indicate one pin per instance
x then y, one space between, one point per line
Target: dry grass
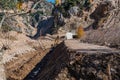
109 37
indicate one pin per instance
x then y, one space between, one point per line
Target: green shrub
8 4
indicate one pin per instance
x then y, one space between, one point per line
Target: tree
80 32
7 4
57 2
19 5
70 3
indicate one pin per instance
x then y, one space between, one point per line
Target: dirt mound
22 54
68 63
92 67
109 37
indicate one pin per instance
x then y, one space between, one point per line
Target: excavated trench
64 63
50 65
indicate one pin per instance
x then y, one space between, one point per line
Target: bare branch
2 21
35 4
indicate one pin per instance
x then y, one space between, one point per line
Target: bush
7 4
80 32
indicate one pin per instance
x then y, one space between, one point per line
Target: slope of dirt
81 63
108 37
50 65
19 68
22 54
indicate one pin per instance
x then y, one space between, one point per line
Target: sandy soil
23 54
19 68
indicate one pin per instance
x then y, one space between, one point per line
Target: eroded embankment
50 65
19 68
91 63
70 60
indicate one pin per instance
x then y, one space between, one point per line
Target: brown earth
24 54
19 68
72 60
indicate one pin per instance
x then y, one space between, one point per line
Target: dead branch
2 21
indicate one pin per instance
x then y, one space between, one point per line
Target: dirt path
88 48
75 44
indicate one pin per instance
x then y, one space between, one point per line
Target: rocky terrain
33 43
75 62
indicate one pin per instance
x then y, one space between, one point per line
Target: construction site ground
21 64
19 68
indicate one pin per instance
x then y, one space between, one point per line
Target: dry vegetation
80 32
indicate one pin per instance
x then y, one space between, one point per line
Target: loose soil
18 69
69 60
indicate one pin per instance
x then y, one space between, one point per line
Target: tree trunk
2 21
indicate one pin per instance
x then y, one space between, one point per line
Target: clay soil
20 68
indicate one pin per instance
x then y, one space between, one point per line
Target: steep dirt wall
63 63
19 68
50 65
56 62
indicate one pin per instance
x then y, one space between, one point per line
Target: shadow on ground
50 65
44 27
